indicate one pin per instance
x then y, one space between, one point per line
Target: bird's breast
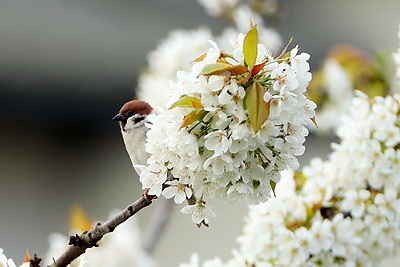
135 140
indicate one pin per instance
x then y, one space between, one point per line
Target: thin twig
79 244
158 223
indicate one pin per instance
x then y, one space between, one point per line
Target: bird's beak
119 117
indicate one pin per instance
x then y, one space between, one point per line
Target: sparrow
132 119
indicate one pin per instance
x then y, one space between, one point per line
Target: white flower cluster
121 248
178 50
341 212
212 144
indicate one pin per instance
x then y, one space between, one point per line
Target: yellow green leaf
187 102
214 69
218 68
257 108
250 47
193 116
200 58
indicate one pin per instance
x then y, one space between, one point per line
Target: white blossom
153 177
200 213
180 192
218 142
354 201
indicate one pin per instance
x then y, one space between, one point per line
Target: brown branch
79 244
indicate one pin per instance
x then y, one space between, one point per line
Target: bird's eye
138 118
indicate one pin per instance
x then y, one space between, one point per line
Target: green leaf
187 102
250 47
212 69
257 108
193 116
218 68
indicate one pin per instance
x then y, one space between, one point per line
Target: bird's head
133 114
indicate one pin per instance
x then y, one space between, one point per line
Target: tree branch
79 244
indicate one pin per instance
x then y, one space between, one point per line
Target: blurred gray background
65 69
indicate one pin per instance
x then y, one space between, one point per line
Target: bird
132 118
